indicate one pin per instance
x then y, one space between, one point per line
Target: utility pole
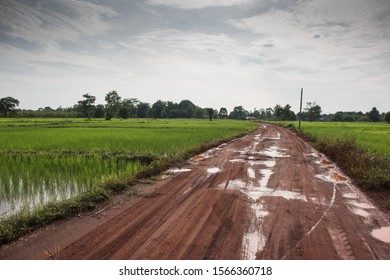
300 111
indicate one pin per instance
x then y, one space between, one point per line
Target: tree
172 110
158 110
210 113
124 112
128 108
256 114
113 104
283 113
238 113
199 113
374 115
313 111
8 105
86 106
387 117
99 111
278 112
142 110
186 109
223 113
269 113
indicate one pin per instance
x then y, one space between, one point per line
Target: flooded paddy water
29 181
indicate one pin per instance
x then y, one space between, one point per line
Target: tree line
118 107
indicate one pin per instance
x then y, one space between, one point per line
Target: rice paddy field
374 137
50 160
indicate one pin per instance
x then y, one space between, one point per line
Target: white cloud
49 24
322 35
336 51
198 4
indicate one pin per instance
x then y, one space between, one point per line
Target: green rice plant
35 180
152 138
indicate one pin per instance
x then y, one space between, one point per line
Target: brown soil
267 195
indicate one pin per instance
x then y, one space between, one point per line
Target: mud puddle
383 234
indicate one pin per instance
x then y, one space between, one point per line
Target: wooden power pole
300 111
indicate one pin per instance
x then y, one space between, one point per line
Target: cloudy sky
217 53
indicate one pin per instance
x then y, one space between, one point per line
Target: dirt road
267 195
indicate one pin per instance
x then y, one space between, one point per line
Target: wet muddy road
267 195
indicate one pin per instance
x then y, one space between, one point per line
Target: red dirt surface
267 195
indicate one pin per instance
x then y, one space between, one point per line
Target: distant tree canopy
8 105
99 111
143 110
128 108
223 113
387 117
374 115
116 107
86 106
113 104
283 113
313 111
238 113
210 113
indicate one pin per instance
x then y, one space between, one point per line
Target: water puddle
237 160
199 157
331 178
325 161
264 191
213 170
258 138
351 195
254 240
266 175
383 234
274 152
251 173
337 177
361 205
361 212
267 163
178 170
255 192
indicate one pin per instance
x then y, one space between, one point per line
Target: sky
216 53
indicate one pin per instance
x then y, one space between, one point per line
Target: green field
374 137
46 160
